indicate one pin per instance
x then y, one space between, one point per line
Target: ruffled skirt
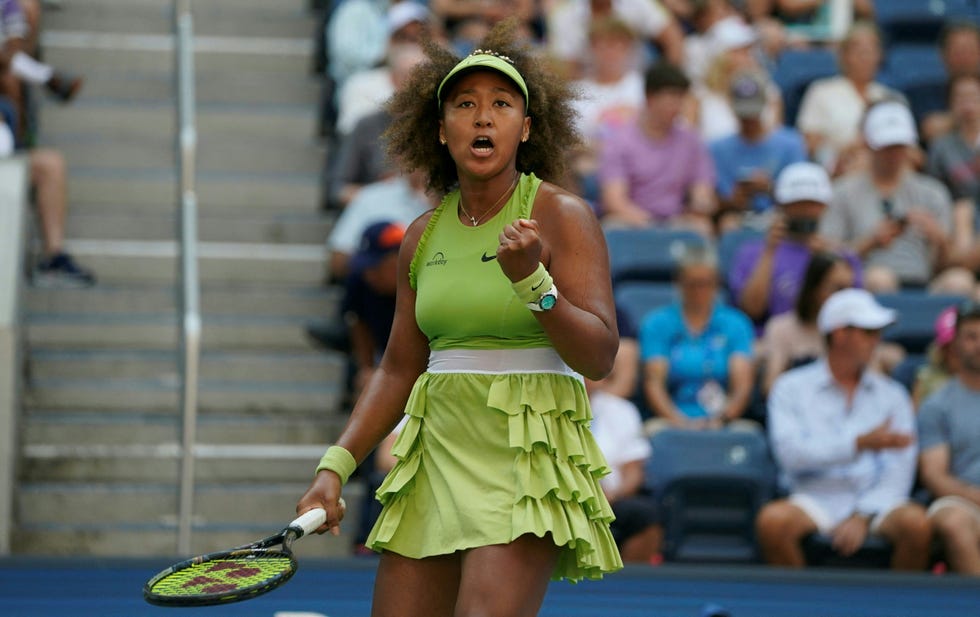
487 458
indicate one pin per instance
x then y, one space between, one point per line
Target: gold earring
524 139
442 141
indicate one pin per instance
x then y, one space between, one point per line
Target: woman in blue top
697 353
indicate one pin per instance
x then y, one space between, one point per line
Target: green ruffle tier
484 459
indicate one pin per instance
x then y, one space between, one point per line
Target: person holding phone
899 221
767 273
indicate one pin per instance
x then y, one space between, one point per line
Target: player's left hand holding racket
237 574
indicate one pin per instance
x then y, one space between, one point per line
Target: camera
802 226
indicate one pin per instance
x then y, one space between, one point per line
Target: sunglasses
867 331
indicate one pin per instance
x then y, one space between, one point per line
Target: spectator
942 359
747 162
766 274
366 91
618 431
611 96
898 221
953 158
843 437
791 339
49 177
821 20
369 296
356 38
655 170
361 161
400 199
949 460
959 45
832 107
568 27
735 53
696 353
700 45
466 22
18 64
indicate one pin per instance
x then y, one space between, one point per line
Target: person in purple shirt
766 274
656 170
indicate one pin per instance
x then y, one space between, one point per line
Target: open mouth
482 145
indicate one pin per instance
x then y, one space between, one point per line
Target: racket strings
224 576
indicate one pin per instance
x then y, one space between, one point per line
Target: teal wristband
338 460
531 288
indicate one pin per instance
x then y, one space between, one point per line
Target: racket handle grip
309 521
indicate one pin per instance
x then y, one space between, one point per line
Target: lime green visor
478 60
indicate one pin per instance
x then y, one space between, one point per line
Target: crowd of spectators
855 191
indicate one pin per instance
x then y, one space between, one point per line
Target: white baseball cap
853 307
403 13
803 181
889 124
731 33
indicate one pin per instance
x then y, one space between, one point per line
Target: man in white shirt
399 199
843 438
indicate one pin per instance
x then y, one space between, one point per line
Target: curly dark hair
412 136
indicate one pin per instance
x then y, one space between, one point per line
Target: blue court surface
102 588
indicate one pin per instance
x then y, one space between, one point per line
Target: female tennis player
504 302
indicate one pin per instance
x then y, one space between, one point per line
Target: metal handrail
187 273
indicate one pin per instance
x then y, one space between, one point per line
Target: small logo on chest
439 259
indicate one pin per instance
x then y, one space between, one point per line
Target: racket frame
278 545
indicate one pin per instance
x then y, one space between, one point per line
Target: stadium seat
795 70
907 369
909 21
728 245
648 254
710 486
638 298
926 98
917 312
911 64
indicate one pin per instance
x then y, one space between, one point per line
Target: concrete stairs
100 428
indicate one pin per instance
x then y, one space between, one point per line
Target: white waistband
499 361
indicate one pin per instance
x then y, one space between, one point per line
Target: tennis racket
233 575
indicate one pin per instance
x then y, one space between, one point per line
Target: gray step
116 261
265 139
154 53
89 221
73 427
160 463
216 299
134 87
231 193
52 503
159 331
162 393
244 18
156 540
242 366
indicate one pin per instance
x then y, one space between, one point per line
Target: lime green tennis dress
497 442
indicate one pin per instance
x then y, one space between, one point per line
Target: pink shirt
659 173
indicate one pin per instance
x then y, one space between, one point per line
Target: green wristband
338 460
531 288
